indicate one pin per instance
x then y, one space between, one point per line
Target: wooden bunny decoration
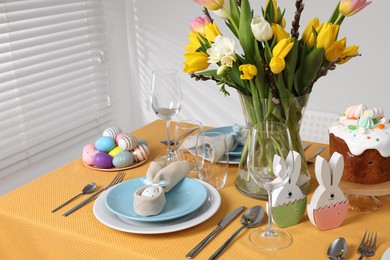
288 201
328 207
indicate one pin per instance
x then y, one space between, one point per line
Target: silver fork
368 246
118 178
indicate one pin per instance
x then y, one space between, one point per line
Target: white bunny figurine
288 201
328 207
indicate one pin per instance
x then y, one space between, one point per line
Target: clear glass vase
288 110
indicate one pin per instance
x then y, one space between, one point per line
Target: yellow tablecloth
28 229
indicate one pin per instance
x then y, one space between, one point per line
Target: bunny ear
295 157
336 164
279 166
322 171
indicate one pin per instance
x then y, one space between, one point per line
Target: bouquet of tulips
273 62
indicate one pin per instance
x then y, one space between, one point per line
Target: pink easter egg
89 153
103 161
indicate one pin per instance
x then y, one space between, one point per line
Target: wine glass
269 148
166 101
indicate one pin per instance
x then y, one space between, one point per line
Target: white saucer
207 210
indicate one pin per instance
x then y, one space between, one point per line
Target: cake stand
363 197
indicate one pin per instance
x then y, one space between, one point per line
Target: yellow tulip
335 50
282 48
280 51
327 35
349 52
279 32
195 61
248 71
277 65
211 31
211 4
307 34
194 42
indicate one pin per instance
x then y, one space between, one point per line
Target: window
53 78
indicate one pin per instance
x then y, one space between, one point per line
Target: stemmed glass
269 148
166 100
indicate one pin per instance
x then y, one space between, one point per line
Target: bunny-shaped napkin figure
288 201
328 207
150 199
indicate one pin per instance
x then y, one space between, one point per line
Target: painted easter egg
89 153
141 153
112 132
127 142
104 144
103 161
119 136
150 192
115 151
123 159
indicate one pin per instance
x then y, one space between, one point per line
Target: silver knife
223 223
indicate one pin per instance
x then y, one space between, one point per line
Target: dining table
29 230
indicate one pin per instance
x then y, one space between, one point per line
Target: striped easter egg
112 132
141 153
127 142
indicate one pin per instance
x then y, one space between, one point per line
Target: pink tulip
211 4
351 7
199 23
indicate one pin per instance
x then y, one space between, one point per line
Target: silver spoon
338 249
251 218
89 188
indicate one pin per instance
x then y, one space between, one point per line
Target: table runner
30 231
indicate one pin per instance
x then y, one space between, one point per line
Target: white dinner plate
187 196
206 211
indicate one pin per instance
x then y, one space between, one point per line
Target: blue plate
187 196
228 130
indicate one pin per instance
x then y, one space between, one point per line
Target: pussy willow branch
295 23
206 12
238 3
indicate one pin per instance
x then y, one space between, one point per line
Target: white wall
147 34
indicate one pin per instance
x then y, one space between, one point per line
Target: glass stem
270 231
168 122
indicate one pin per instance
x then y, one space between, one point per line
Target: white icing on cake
365 132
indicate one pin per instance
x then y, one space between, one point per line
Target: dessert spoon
338 249
251 218
89 188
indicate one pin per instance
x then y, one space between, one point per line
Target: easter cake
362 136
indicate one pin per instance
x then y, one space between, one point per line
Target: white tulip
261 29
221 13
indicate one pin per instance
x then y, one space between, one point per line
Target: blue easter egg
105 144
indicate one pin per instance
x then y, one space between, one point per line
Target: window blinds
53 78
